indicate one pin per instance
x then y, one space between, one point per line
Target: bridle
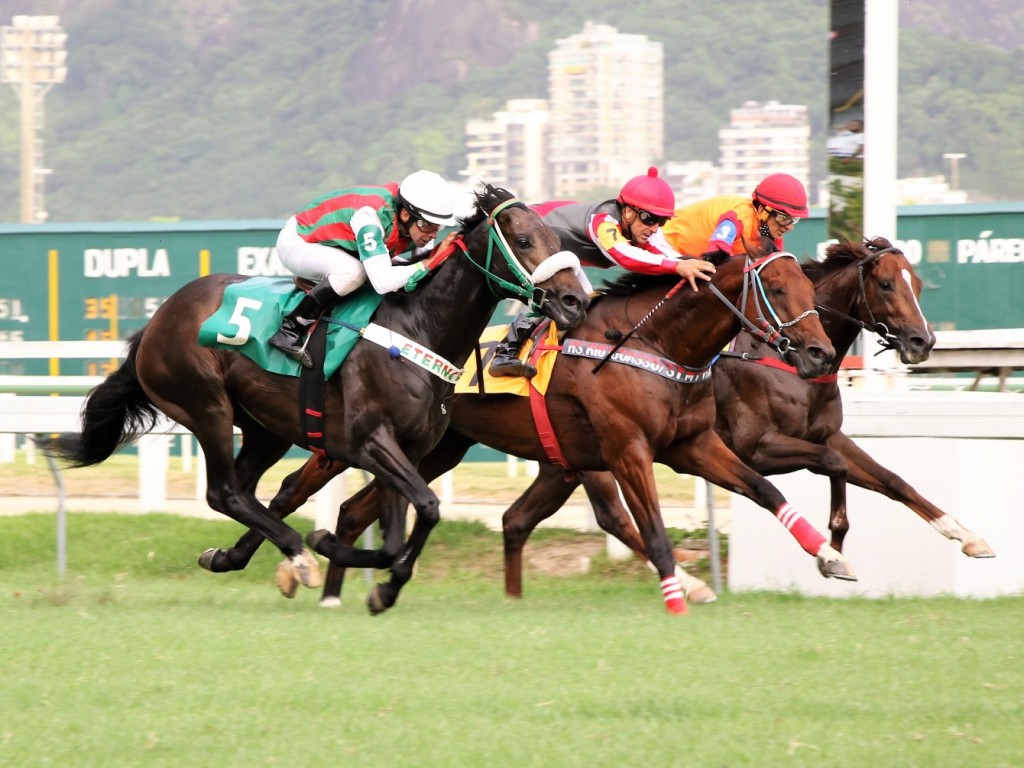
525 285
752 287
886 340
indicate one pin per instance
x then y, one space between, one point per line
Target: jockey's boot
506 360
292 337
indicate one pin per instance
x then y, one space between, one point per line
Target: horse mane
839 255
629 283
486 199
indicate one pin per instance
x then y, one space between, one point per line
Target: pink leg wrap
672 591
808 538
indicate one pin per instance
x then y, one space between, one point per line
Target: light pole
33 58
954 166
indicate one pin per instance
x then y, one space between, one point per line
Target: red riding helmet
781 192
649 193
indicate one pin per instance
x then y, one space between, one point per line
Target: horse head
778 301
523 259
889 306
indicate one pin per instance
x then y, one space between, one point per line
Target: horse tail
115 413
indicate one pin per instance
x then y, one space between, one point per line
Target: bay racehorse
778 422
382 413
622 418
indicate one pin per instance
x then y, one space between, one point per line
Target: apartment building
606 97
762 139
510 149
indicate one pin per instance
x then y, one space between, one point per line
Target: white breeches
319 262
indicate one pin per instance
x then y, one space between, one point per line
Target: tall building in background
762 139
510 150
606 96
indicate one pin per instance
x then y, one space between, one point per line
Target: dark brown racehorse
382 413
622 418
869 286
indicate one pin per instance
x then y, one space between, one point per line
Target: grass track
139 658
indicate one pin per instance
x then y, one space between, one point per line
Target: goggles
648 218
427 227
783 218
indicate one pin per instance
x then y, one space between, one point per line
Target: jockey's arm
607 234
384 276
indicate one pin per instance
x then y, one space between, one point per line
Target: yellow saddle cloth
469 384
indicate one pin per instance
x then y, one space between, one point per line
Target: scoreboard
104 281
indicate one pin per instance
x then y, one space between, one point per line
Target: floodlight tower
33 59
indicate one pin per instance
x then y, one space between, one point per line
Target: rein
886 340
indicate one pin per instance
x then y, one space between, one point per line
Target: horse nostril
918 344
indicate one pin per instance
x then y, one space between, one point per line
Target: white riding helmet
428 196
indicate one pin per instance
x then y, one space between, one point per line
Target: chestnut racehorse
382 414
869 286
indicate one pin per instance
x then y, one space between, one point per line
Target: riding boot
291 338
506 360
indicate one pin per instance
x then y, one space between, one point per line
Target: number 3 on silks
239 319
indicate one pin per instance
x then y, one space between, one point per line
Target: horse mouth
811 361
567 313
914 349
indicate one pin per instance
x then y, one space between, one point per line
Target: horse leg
613 518
355 515
868 473
634 471
778 454
545 495
413 487
295 490
710 458
225 494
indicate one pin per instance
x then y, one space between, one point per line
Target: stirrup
511 366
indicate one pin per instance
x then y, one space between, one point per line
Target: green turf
139 658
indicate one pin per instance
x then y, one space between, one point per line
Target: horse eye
523 242
885 285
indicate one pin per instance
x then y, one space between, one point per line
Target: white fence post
154 453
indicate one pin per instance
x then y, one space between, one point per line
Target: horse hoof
307 569
837 569
285 579
206 559
977 547
375 601
330 602
701 595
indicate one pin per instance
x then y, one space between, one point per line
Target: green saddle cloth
252 311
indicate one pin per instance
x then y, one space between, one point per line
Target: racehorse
382 414
777 422
622 418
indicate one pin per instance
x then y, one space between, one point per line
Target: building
510 149
762 139
606 96
692 181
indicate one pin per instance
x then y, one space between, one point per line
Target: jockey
716 224
349 236
623 232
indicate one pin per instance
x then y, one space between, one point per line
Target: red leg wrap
672 591
808 538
